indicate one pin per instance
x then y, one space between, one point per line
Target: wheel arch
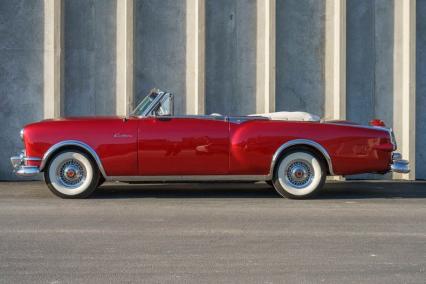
302 143
72 144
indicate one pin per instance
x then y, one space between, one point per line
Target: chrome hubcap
299 173
71 173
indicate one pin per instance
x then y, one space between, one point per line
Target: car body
154 145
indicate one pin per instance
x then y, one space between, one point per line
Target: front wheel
299 174
72 174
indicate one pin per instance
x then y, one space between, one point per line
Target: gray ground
354 232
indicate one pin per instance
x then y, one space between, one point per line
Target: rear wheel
299 174
72 174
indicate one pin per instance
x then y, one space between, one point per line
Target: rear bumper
20 167
399 165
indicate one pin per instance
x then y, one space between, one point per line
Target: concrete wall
421 90
89 49
159 54
89 57
300 56
21 74
231 56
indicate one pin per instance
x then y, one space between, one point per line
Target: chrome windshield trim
153 104
77 143
307 142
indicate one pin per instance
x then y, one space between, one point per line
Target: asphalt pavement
354 232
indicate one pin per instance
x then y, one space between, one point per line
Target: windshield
144 104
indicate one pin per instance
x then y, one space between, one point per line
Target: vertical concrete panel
159 56
231 56
421 90
383 85
21 74
370 60
360 60
89 73
300 56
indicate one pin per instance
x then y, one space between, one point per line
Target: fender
306 142
76 143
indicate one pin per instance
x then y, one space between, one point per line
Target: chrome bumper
19 165
399 165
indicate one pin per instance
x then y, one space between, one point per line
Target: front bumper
20 167
399 165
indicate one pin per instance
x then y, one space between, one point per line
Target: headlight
21 133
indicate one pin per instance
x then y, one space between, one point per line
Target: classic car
292 151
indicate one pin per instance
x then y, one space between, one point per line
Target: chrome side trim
392 138
196 116
242 119
31 159
307 142
72 143
191 178
384 128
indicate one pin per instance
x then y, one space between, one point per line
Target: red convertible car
293 151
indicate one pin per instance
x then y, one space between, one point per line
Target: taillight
377 122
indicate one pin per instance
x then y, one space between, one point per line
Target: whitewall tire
72 174
299 174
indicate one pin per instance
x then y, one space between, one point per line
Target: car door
183 146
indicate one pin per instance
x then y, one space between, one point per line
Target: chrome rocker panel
189 178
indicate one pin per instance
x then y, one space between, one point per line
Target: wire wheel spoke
71 173
299 173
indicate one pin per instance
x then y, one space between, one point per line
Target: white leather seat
290 115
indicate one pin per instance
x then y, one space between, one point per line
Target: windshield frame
150 107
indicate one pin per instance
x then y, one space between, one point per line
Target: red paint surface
183 146
118 155
352 149
189 146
